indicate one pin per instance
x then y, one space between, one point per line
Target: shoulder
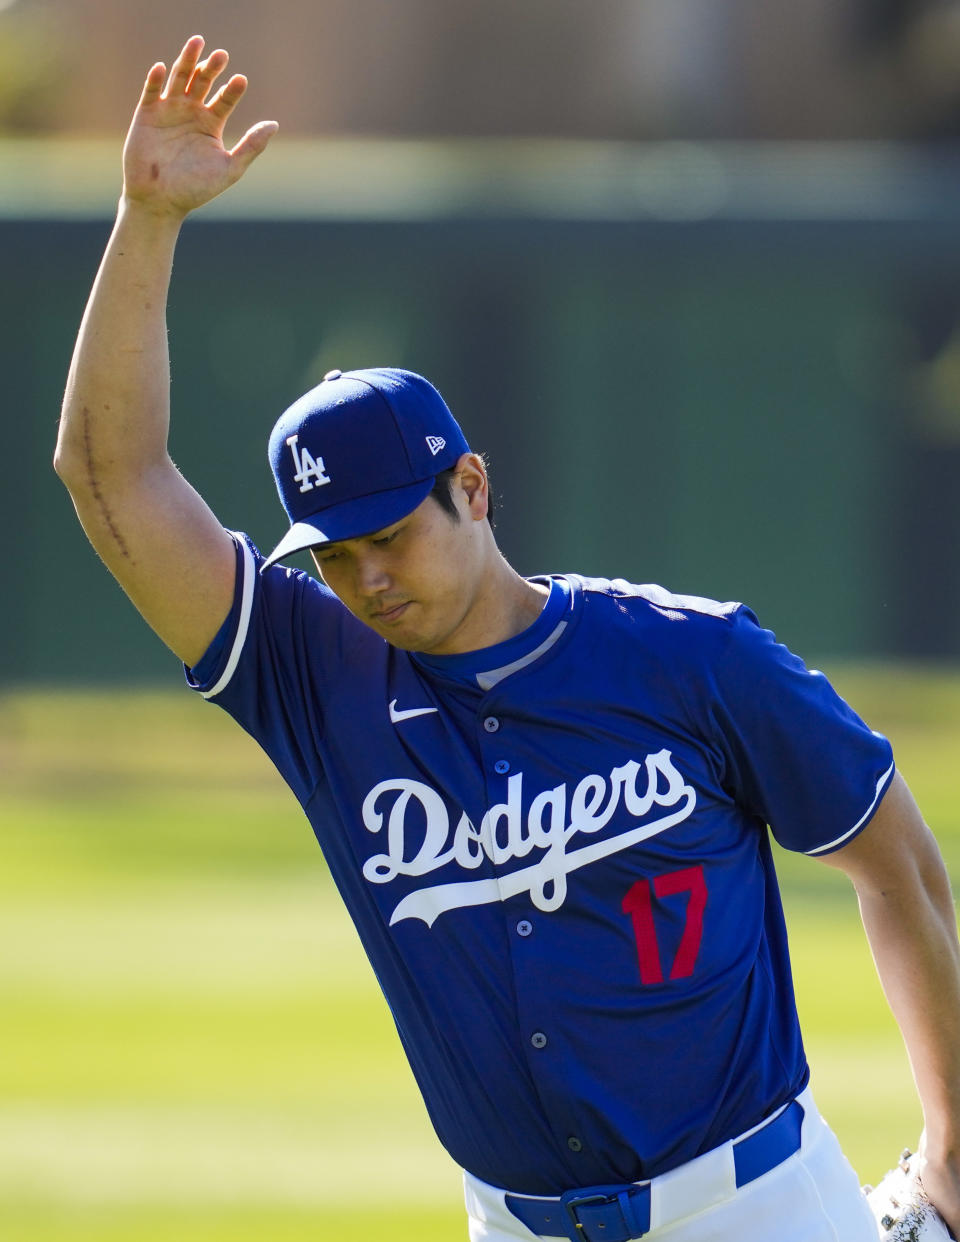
690 643
677 618
686 653
649 596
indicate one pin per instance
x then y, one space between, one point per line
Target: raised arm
153 531
909 917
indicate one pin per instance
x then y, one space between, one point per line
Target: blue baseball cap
359 452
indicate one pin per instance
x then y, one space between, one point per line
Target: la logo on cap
310 470
435 444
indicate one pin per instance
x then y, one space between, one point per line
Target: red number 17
639 905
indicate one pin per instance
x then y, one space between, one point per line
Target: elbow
65 454
60 462
67 466
73 455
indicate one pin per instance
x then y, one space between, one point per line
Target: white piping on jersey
246 608
881 785
486 681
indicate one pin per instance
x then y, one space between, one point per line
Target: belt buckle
574 1199
631 1219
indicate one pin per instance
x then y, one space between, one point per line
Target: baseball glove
901 1208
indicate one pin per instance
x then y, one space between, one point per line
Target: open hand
174 159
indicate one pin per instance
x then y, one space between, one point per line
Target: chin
402 643
403 640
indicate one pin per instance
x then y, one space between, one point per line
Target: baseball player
544 801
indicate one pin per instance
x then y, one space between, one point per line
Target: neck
503 607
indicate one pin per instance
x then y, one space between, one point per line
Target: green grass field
192 1046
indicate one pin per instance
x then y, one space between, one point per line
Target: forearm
911 927
908 914
116 409
156 534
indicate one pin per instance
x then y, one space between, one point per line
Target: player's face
420 583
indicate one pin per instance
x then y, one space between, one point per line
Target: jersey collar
488 666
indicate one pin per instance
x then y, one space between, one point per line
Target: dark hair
443 494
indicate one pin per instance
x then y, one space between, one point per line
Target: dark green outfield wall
756 411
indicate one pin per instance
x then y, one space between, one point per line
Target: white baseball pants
812 1196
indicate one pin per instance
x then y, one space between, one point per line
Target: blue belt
621 1213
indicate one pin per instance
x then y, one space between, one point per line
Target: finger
253 143
153 85
206 74
228 96
184 65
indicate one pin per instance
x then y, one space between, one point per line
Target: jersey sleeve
793 752
282 641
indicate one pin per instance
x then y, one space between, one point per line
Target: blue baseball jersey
556 854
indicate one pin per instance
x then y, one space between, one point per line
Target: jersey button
332 375
501 766
538 1039
524 927
574 1143
491 724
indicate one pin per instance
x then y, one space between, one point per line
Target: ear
471 477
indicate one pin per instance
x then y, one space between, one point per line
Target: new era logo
435 444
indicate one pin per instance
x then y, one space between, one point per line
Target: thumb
252 143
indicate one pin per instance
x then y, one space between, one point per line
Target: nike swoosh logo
396 715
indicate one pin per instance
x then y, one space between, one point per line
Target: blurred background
688 271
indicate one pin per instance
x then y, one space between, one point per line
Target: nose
371 576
